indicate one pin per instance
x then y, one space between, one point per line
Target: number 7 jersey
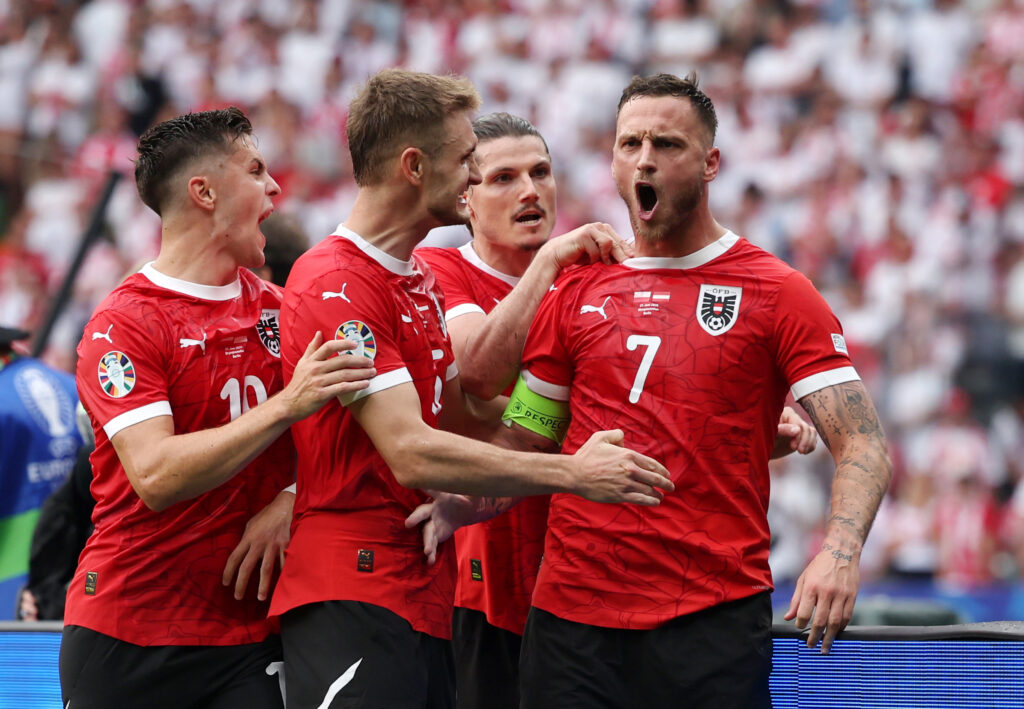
692 358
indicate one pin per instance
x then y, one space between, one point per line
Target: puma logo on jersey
340 294
186 342
596 308
104 335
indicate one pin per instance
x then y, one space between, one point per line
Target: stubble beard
673 218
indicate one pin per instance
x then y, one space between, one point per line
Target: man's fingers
419 515
231 568
266 575
245 572
614 436
653 473
314 343
795 599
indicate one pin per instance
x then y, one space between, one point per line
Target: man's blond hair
397 109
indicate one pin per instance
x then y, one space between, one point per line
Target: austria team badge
269 330
717 307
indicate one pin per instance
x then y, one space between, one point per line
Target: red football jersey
692 358
349 540
498 559
159 346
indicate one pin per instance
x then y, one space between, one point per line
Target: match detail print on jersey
718 307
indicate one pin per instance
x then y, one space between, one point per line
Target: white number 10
239 404
652 343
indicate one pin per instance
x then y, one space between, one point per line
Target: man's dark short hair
671 85
168 147
504 125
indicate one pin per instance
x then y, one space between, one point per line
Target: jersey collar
697 258
196 290
470 254
395 265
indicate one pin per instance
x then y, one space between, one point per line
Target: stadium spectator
363 614
179 370
704 312
38 443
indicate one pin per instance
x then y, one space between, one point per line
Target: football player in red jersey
179 369
691 347
365 618
492 287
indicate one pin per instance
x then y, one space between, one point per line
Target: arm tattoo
846 420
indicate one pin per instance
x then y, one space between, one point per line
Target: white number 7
652 343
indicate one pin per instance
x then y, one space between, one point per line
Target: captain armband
536 413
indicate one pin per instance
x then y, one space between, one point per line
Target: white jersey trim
697 258
451 372
378 383
464 309
817 382
196 290
395 265
130 418
545 389
470 254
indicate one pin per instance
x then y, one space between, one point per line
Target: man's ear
712 161
201 192
412 164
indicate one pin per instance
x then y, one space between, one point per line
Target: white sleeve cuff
378 383
463 309
130 418
817 382
548 390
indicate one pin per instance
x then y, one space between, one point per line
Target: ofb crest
717 307
269 330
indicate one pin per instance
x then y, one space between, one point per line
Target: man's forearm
168 469
846 420
491 356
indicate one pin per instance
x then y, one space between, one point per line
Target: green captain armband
536 413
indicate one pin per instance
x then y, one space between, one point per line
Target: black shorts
486 662
719 658
100 672
348 654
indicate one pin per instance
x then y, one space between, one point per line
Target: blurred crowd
877 146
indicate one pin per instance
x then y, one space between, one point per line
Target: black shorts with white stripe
354 655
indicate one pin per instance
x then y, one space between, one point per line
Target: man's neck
380 216
699 232
190 254
510 261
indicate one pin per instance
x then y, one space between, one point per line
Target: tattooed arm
846 420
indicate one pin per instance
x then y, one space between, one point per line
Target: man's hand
827 589
795 434
441 516
610 473
590 243
263 542
320 375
